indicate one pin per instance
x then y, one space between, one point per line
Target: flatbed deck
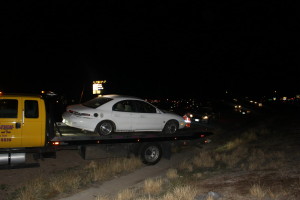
69 135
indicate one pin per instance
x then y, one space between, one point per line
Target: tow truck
28 126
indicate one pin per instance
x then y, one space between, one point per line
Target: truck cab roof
14 95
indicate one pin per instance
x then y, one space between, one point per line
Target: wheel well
174 120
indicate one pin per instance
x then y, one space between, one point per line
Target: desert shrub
181 193
172 173
153 186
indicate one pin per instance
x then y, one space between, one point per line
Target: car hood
173 115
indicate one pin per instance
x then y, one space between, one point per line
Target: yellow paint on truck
22 121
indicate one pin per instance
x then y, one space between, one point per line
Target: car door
146 117
121 116
10 122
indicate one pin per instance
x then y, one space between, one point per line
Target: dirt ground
12 179
282 183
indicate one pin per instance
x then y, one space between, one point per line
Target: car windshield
96 102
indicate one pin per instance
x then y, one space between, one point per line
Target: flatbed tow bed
149 146
66 135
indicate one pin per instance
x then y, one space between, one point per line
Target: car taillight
187 121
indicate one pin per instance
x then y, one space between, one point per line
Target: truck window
8 108
31 109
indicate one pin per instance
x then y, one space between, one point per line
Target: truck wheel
105 128
150 154
170 127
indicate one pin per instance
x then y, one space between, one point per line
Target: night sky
151 48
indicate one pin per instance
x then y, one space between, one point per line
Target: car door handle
18 125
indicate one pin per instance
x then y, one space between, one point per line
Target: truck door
33 124
10 122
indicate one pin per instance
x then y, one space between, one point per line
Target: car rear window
96 102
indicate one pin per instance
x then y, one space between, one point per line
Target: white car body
137 116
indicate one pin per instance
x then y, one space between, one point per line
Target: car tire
170 127
105 128
150 153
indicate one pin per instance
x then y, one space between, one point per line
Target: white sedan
118 113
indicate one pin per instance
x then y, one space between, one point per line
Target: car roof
118 96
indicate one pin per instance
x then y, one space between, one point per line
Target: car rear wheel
170 127
105 128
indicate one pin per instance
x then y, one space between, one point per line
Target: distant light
205 117
56 143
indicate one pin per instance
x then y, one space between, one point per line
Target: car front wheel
105 128
170 127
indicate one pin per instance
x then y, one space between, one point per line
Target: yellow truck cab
22 121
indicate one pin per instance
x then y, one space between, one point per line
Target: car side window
118 107
124 106
144 107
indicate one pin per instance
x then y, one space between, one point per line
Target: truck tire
170 127
150 153
105 128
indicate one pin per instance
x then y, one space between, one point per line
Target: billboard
98 86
